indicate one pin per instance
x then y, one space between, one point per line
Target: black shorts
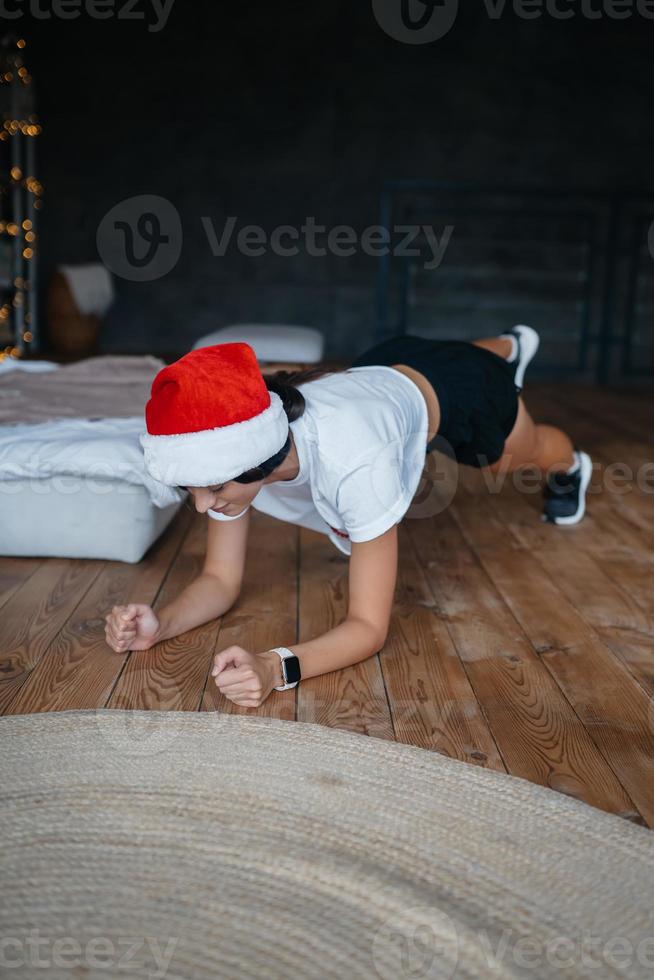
475 388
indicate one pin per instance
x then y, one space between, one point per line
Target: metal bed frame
614 227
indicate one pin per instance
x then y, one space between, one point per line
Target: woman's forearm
204 599
348 643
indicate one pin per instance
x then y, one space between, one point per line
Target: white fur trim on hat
200 459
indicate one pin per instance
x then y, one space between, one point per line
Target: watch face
292 669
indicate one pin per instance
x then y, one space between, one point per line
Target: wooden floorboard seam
53 639
162 583
462 661
599 641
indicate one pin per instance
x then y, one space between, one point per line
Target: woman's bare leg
543 446
498 345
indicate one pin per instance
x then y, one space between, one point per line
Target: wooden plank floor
514 645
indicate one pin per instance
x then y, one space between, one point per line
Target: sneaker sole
586 473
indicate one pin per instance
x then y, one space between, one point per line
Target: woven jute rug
180 844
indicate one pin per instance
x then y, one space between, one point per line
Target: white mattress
76 486
73 517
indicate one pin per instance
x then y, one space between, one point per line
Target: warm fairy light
14 72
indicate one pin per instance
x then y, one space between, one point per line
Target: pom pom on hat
210 418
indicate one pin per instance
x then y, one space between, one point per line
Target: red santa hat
210 418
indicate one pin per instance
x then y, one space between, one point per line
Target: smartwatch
290 668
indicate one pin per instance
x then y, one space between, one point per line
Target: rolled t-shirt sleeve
371 498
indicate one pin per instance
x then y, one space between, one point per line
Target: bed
72 479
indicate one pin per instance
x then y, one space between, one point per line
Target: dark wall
273 112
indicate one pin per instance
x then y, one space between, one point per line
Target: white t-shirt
361 444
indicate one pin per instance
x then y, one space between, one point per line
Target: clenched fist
246 678
133 627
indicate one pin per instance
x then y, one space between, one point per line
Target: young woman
341 452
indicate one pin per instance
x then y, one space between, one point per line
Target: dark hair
284 383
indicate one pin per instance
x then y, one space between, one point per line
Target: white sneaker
527 341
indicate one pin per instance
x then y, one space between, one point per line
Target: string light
24 126
15 311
